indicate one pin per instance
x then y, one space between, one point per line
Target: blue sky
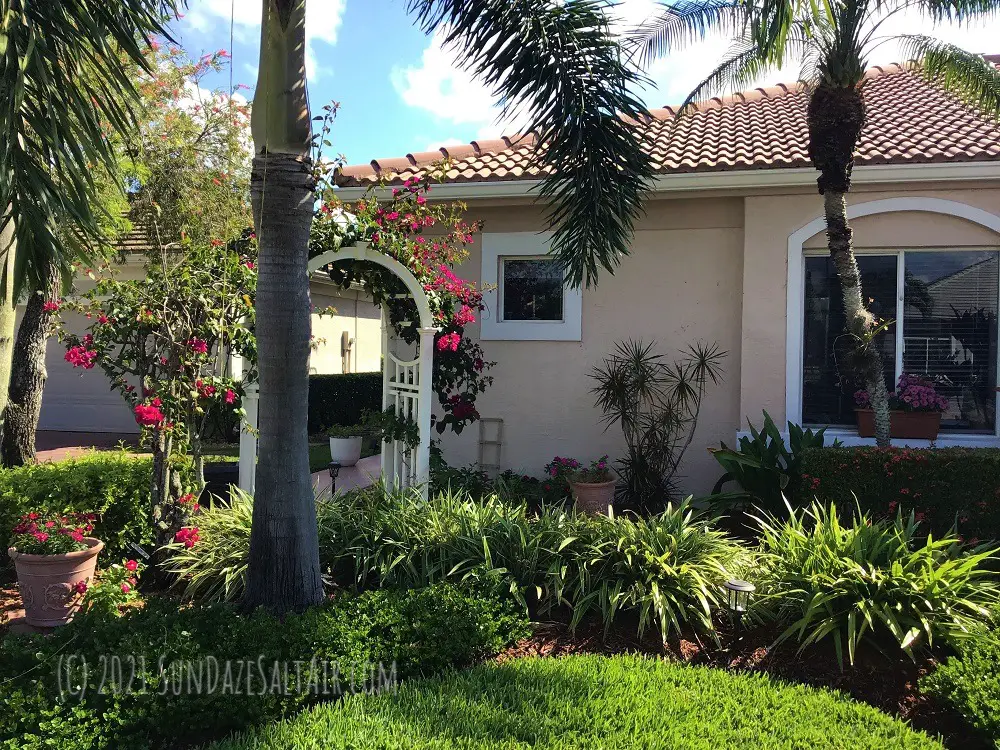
401 92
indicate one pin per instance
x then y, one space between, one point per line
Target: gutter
746 179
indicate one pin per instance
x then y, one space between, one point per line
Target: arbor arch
406 383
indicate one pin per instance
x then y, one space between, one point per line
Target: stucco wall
682 284
355 314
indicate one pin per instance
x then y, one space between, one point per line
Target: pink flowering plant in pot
593 487
915 409
430 239
55 561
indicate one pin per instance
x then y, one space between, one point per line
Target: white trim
795 303
520 244
730 180
850 439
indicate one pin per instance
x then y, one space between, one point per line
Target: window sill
945 440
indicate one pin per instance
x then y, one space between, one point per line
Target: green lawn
319 454
590 702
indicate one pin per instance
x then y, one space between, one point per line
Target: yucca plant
869 580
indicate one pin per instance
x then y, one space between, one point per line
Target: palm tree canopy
66 73
832 41
555 63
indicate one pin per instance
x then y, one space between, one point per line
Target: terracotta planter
593 498
916 425
346 451
48 582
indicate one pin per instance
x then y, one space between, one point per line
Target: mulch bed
887 684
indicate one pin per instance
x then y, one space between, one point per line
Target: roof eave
745 179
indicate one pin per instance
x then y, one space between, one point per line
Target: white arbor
406 381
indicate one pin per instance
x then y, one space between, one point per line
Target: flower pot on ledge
914 425
593 498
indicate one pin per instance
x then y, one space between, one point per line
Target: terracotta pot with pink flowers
55 563
915 409
593 488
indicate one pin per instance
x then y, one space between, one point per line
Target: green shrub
342 399
421 631
668 568
115 485
583 702
970 684
944 486
870 580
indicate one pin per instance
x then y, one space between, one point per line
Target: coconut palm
832 40
67 75
551 61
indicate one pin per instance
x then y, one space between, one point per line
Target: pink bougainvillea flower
230 396
149 415
197 345
50 306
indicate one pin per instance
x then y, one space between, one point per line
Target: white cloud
436 84
438 144
323 19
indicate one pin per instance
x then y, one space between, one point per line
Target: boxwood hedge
342 399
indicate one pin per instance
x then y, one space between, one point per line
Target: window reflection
532 289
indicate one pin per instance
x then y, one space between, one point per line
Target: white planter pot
345 451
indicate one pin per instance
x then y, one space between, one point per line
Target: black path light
334 469
738 593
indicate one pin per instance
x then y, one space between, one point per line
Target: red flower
198 346
50 306
81 587
230 396
131 565
126 588
149 416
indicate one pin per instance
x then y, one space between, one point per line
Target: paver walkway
364 473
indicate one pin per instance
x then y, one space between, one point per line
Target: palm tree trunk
28 375
860 322
284 571
836 116
8 310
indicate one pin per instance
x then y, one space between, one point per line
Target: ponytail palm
832 41
551 61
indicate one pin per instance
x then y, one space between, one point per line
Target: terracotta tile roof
909 122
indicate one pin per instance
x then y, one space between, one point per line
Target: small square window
532 289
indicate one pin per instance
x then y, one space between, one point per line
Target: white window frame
499 246
795 308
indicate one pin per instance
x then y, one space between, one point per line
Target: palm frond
557 64
677 25
958 10
67 70
744 63
970 77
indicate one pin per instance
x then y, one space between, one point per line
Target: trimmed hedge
583 702
114 484
423 632
342 399
970 684
942 486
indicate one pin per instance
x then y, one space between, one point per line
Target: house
732 250
77 400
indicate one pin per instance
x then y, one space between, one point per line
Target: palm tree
552 61
66 73
832 40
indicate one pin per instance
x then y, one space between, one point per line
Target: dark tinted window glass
827 386
532 290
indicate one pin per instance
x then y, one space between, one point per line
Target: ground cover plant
590 702
969 683
943 487
666 569
423 631
872 580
